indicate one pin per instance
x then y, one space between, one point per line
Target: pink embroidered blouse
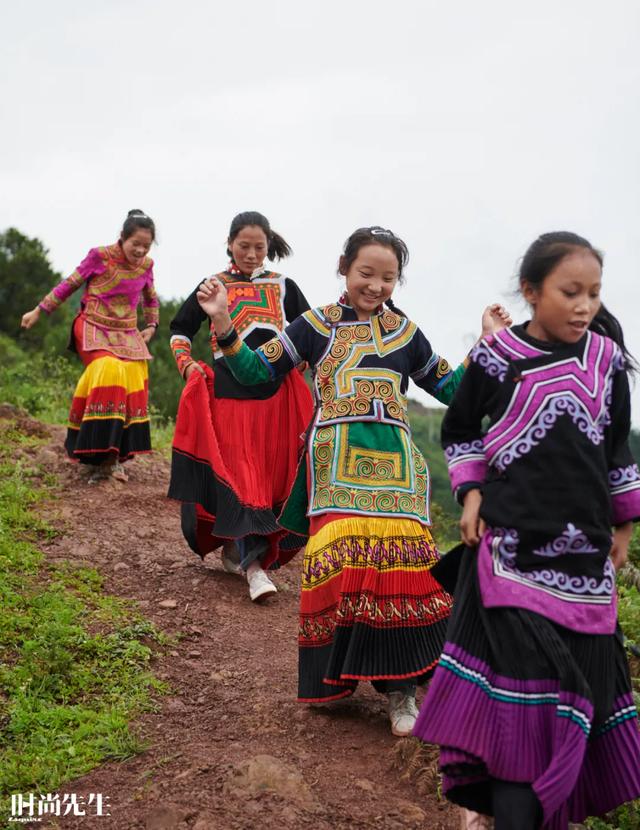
108 309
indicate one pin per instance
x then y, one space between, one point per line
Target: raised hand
212 296
494 318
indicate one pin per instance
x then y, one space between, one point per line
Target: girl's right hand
472 527
191 368
620 544
30 318
212 296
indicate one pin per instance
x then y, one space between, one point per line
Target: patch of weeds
74 663
626 817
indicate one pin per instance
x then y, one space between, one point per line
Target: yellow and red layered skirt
109 412
369 607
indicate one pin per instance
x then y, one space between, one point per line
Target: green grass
74 663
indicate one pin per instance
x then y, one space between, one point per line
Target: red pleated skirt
234 462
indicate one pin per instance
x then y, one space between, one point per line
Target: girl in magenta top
109 420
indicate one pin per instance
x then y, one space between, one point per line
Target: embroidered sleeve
150 302
624 476
184 327
273 359
90 265
462 437
181 349
433 373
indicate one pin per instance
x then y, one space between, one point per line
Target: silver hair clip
380 232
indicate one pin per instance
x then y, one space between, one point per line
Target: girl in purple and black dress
531 702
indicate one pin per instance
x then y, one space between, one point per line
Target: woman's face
137 246
371 278
249 249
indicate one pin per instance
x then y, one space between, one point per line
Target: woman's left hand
147 333
620 544
495 318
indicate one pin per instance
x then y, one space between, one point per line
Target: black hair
545 254
137 218
277 248
375 235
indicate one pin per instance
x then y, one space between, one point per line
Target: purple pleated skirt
516 697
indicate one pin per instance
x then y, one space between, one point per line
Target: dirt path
230 747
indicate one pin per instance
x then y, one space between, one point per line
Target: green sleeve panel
447 390
245 365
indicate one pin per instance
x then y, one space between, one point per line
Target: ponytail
607 324
279 248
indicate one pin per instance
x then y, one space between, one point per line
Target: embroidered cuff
49 303
467 465
624 486
230 344
181 348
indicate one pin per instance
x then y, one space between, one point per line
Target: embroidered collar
233 269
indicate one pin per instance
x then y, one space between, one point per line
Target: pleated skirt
516 697
109 412
234 462
369 607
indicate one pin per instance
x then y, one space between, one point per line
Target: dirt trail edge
229 747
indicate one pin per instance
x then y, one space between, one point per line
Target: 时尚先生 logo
29 807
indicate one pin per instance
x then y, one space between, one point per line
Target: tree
26 276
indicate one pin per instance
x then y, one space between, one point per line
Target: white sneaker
230 558
403 713
260 586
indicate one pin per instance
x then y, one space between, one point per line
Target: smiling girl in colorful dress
531 702
369 608
109 419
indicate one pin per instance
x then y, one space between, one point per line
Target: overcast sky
466 127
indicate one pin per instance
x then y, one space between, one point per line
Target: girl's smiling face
567 300
249 249
371 278
136 246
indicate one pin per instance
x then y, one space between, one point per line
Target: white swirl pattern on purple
572 540
623 479
494 365
583 589
540 427
579 387
468 451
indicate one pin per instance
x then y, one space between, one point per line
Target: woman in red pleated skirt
236 449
